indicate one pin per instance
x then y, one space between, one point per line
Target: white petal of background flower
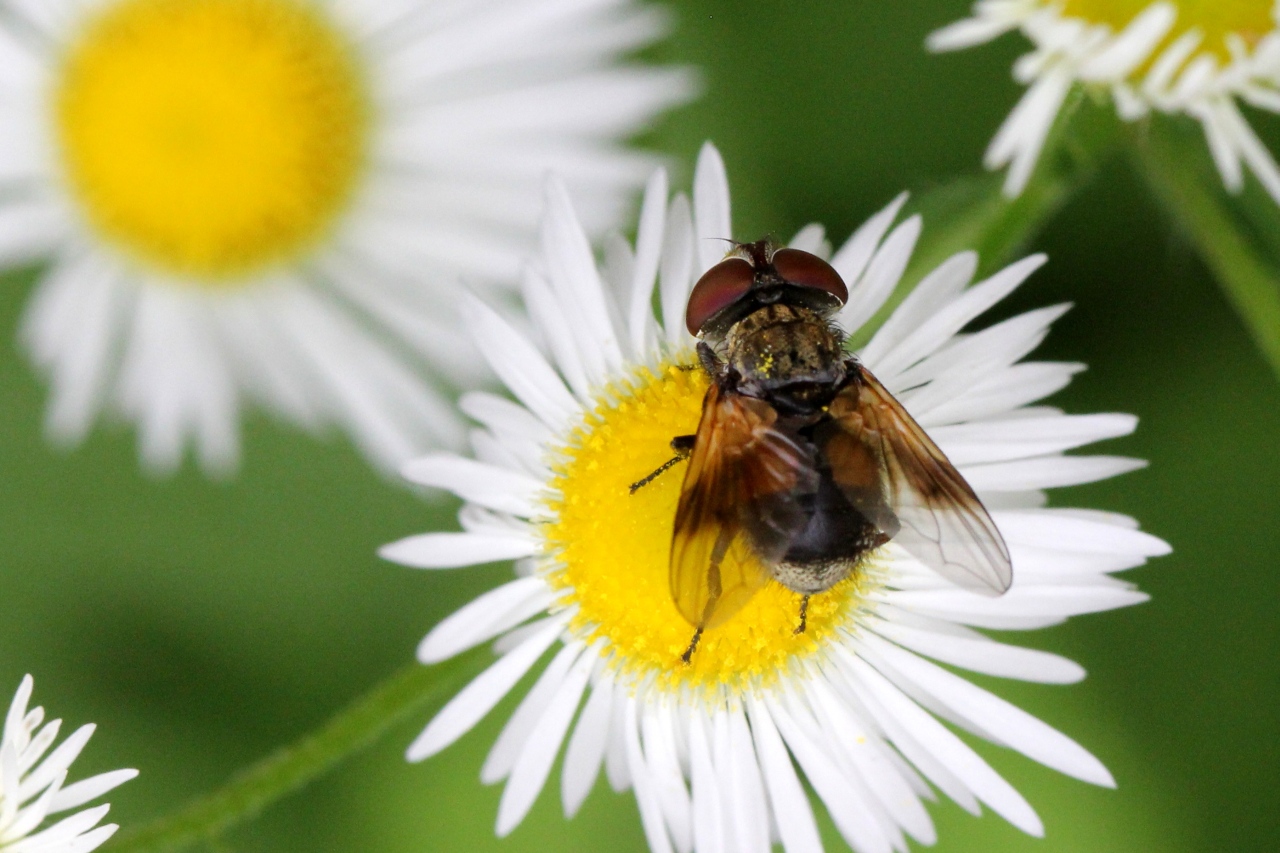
33 785
1142 66
471 103
714 767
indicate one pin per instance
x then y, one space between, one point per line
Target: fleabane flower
269 202
1201 59
33 785
716 748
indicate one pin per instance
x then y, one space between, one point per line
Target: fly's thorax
786 354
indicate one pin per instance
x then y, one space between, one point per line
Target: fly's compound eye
801 268
719 287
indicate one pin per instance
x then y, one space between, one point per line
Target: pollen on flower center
613 546
211 137
1215 19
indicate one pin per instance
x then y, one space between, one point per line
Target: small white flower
1198 59
33 785
269 202
711 748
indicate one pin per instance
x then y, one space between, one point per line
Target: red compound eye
719 287
799 267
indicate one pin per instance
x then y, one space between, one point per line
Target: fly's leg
683 447
714 590
804 615
709 360
693 644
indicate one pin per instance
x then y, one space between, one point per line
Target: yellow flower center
613 547
210 138
1215 19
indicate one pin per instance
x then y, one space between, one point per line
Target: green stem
1241 266
407 693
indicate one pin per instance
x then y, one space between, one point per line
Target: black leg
693 644
804 615
683 446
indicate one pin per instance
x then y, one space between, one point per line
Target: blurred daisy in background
712 748
33 785
270 201
1192 57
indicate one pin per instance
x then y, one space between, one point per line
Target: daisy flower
266 202
32 785
1172 56
716 749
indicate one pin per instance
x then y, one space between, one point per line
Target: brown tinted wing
922 502
738 507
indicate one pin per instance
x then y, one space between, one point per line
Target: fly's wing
738 507
894 474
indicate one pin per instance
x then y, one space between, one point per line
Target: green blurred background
202 624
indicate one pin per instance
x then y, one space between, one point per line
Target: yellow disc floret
612 547
209 138
1214 19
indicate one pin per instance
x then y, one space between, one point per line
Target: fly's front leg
709 360
683 447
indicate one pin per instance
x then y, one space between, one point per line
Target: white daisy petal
1021 608
975 773
33 785
884 270
487 485
997 719
534 763
709 812
586 749
649 239
847 809
967 33
721 731
941 284
497 611
740 775
978 653
668 778
452 550
872 761
518 730
795 818
616 765
1020 438
852 258
711 207
577 284
812 239
926 338
1133 45
544 310
1047 472
676 269
478 698
646 797
519 365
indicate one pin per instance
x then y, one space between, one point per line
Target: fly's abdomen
834 540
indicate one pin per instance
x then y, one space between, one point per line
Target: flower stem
292 767
1248 277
